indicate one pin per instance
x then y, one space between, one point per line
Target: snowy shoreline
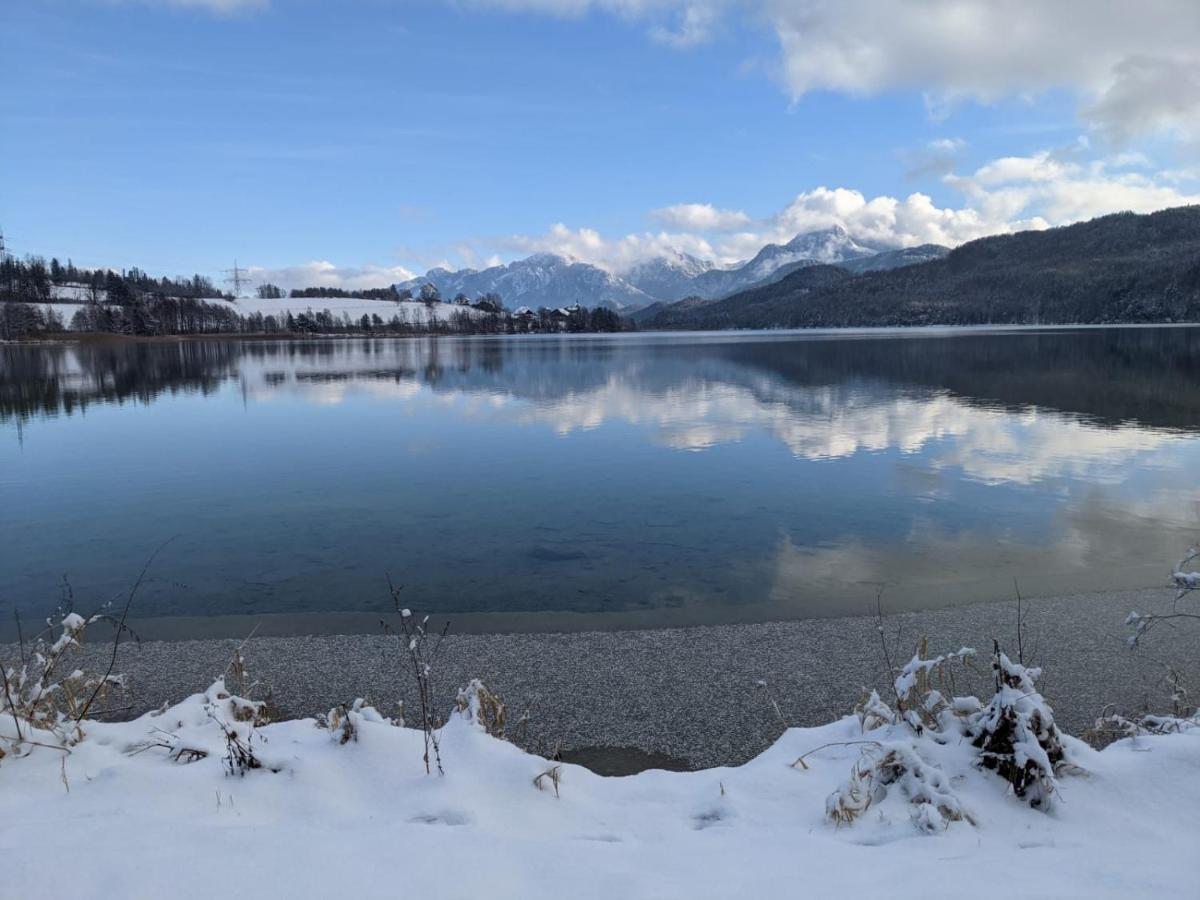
914 793
642 688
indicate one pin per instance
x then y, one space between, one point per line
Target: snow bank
125 815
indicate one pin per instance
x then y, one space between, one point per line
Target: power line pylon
237 277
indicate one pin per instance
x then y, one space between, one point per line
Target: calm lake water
595 481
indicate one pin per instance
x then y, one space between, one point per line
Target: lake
593 481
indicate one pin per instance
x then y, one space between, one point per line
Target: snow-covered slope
122 814
894 259
830 246
409 311
668 277
543 279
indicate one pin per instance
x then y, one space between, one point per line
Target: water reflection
546 474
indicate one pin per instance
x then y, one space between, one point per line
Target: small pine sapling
1016 735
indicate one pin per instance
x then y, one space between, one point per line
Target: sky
354 143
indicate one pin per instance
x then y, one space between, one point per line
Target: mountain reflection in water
668 478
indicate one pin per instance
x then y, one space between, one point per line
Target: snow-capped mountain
543 279
546 279
831 246
668 277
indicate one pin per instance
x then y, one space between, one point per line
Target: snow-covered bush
1184 716
237 718
1185 582
1016 735
919 704
873 713
481 707
897 766
345 722
1013 734
43 699
1114 727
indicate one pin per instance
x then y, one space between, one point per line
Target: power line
237 277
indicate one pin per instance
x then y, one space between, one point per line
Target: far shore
105 337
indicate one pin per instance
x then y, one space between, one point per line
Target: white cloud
947 145
614 254
701 217
321 273
1012 193
693 26
1064 191
1134 66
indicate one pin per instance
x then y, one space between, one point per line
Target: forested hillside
1118 268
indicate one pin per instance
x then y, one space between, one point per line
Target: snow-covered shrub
1016 735
236 737
238 716
344 722
873 713
481 707
1184 716
240 757
224 705
44 700
897 766
1185 582
1114 726
919 704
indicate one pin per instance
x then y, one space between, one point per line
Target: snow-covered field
410 311
76 293
150 809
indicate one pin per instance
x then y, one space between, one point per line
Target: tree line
31 280
163 316
1118 268
134 303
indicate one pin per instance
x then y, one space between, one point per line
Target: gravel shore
692 695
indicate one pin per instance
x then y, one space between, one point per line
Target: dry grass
553 775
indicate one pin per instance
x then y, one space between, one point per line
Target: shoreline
691 696
100 337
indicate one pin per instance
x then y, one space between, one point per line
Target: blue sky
348 142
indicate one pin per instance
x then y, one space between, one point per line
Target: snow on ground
79 293
410 311
362 819
66 310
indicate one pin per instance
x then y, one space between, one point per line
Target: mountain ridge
549 279
1124 267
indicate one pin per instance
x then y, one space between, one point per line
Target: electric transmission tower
237 277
